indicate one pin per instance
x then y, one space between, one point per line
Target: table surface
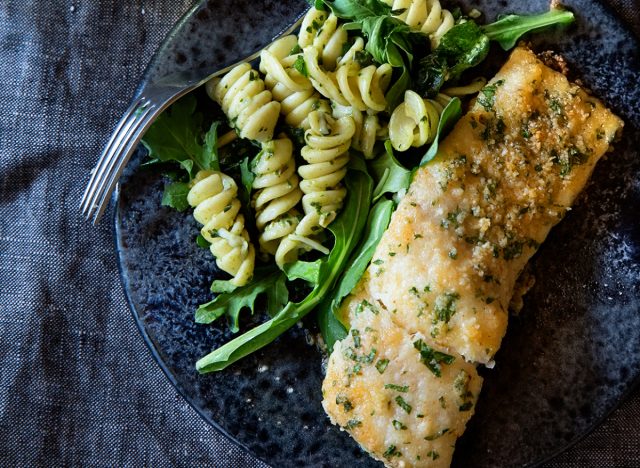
77 384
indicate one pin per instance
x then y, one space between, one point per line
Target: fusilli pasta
320 30
426 16
213 196
289 87
249 106
415 121
326 153
464 90
350 84
368 129
277 195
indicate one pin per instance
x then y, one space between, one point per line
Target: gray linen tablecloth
78 387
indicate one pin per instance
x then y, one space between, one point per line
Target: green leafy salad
188 138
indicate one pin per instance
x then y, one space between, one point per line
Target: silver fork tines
115 156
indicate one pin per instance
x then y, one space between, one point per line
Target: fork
179 67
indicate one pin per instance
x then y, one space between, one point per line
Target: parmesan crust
446 267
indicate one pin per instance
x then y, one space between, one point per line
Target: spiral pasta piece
249 106
321 31
289 87
415 121
326 154
464 90
368 129
213 196
277 195
426 16
351 84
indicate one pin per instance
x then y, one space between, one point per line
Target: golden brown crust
445 269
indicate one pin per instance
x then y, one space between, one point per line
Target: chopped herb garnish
555 106
466 406
301 66
574 157
512 250
363 58
356 337
403 404
445 306
353 423
437 434
344 401
433 454
398 425
368 359
381 365
432 358
398 388
364 304
486 97
295 50
391 452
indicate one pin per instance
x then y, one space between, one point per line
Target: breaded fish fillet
383 385
472 218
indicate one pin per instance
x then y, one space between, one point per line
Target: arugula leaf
308 271
395 93
319 4
175 196
390 176
176 136
377 223
246 177
467 44
508 29
358 10
330 326
450 115
346 229
222 286
202 242
388 38
232 303
278 297
172 137
210 158
462 47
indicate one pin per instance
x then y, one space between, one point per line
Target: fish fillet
444 272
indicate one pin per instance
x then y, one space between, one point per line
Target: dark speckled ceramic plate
566 362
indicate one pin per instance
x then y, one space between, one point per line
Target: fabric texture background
78 386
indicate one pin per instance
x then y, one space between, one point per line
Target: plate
568 359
